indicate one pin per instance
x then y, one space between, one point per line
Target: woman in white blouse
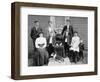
41 44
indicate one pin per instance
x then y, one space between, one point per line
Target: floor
66 61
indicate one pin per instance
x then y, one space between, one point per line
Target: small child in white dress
74 47
75 42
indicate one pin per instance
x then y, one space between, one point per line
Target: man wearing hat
67 33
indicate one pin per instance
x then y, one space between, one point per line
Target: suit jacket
70 34
81 46
35 33
53 40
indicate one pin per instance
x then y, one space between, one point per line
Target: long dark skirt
43 57
60 51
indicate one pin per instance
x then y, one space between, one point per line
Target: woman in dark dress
59 47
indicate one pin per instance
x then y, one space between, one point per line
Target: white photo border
26 70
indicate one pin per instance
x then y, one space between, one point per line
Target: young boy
81 48
74 50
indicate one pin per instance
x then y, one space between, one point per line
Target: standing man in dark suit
67 33
50 44
34 35
35 32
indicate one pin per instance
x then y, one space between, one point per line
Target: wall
5 41
79 24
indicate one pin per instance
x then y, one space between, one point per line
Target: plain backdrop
5 41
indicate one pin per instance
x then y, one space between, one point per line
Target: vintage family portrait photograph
57 40
50 40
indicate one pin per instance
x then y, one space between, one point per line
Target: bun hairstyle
41 33
36 21
75 32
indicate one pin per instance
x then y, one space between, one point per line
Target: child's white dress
75 43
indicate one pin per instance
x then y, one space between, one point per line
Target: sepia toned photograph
57 40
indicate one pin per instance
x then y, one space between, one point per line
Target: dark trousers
74 56
81 54
66 47
34 48
50 49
